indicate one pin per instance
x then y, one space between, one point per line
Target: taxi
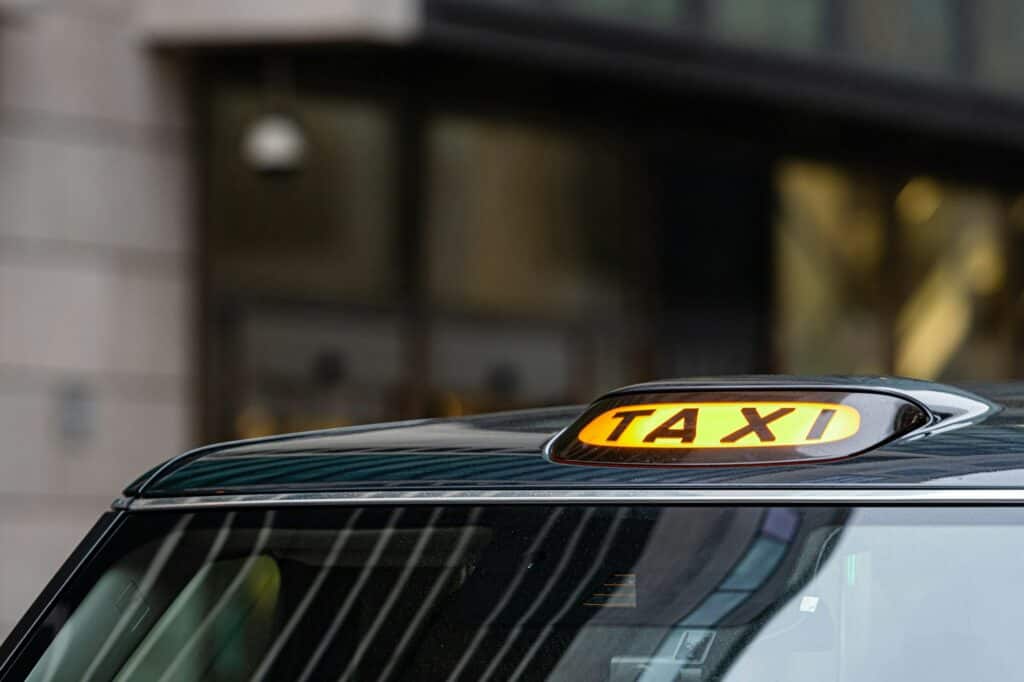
746 529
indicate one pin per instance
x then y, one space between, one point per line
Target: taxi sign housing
739 422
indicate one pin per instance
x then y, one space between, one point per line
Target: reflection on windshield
898 601
625 594
692 638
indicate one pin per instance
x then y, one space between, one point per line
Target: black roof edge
139 485
962 408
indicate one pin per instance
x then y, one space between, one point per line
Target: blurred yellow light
933 325
255 422
721 425
918 201
452 405
985 267
864 241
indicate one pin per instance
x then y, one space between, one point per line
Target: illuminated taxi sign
751 424
734 427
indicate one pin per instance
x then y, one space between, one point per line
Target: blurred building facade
224 218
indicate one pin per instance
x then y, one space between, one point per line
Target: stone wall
96 275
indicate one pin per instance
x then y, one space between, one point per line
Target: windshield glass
544 593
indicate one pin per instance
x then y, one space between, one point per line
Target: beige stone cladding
96 275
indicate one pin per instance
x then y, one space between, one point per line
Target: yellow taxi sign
672 424
749 424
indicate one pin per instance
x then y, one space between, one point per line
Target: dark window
571 593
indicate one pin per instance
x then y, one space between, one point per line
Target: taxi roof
505 451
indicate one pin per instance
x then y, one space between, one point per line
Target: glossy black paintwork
505 451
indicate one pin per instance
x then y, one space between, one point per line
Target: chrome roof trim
803 496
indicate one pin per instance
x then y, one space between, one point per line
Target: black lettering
820 424
757 424
687 434
626 417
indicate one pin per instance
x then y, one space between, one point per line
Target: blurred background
230 218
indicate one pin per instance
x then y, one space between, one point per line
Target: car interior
543 593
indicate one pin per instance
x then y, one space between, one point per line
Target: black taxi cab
750 529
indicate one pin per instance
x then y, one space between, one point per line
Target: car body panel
506 451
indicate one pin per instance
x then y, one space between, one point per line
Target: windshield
544 593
